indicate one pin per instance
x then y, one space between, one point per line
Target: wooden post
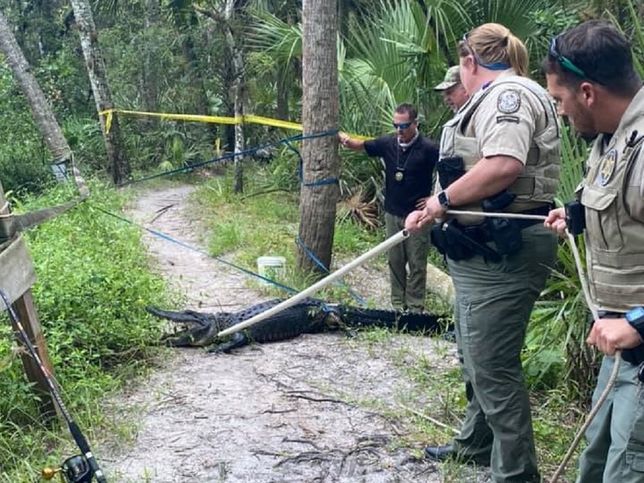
16 278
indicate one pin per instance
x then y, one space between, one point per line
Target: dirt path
314 409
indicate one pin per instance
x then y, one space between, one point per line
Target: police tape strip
245 119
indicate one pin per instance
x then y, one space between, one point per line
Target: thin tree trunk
147 79
320 113
118 164
238 90
42 112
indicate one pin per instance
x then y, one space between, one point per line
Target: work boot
440 453
447 452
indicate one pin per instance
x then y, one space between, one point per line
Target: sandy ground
314 409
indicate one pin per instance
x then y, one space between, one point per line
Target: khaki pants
615 451
492 309
407 288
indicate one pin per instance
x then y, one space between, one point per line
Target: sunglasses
402 125
565 62
479 61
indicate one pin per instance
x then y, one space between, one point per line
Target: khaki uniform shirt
513 116
613 195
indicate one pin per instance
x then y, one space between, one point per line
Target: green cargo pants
407 290
615 451
493 305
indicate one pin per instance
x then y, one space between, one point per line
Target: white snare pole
385 245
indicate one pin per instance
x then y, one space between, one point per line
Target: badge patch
508 101
606 168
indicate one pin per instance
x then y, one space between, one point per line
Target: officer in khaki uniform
590 74
452 90
499 153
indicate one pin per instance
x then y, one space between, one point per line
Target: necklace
400 167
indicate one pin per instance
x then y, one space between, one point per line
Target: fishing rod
81 468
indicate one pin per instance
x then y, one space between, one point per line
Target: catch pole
385 245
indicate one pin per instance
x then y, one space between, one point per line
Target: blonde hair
495 43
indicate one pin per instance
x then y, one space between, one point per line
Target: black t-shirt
408 173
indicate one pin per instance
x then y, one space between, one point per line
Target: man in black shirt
409 165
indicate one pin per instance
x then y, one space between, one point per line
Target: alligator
307 317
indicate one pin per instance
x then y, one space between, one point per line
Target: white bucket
271 267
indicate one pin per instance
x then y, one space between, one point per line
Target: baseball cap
452 77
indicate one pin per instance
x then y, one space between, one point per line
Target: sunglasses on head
402 125
565 62
479 61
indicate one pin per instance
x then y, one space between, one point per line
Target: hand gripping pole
385 245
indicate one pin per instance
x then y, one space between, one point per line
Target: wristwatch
635 317
443 199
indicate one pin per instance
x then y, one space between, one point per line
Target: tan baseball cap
452 77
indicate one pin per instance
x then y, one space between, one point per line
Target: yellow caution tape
250 118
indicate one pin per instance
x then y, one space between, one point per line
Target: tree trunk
148 86
320 113
239 89
42 112
119 167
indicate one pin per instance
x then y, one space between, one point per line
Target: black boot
447 452
440 453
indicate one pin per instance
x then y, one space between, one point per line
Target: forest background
217 57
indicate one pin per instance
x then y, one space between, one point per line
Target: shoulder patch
508 101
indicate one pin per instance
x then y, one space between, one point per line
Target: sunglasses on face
402 125
565 62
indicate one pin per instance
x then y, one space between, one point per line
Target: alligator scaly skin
307 317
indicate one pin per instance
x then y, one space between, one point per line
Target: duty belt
480 232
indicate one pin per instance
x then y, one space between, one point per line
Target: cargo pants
615 451
493 303
408 289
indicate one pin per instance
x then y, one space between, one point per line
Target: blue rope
198 250
309 253
191 167
300 173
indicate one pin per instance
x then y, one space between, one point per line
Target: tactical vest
538 183
613 195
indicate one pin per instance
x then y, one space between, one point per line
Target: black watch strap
443 199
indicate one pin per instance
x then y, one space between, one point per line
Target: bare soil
319 408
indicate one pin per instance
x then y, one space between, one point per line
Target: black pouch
445 237
575 217
504 232
449 170
437 238
506 235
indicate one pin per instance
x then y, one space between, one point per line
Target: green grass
93 285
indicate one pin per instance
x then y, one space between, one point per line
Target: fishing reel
75 469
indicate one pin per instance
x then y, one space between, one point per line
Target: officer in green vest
589 70
499 153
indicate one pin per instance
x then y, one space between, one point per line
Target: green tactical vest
613 195
538 183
